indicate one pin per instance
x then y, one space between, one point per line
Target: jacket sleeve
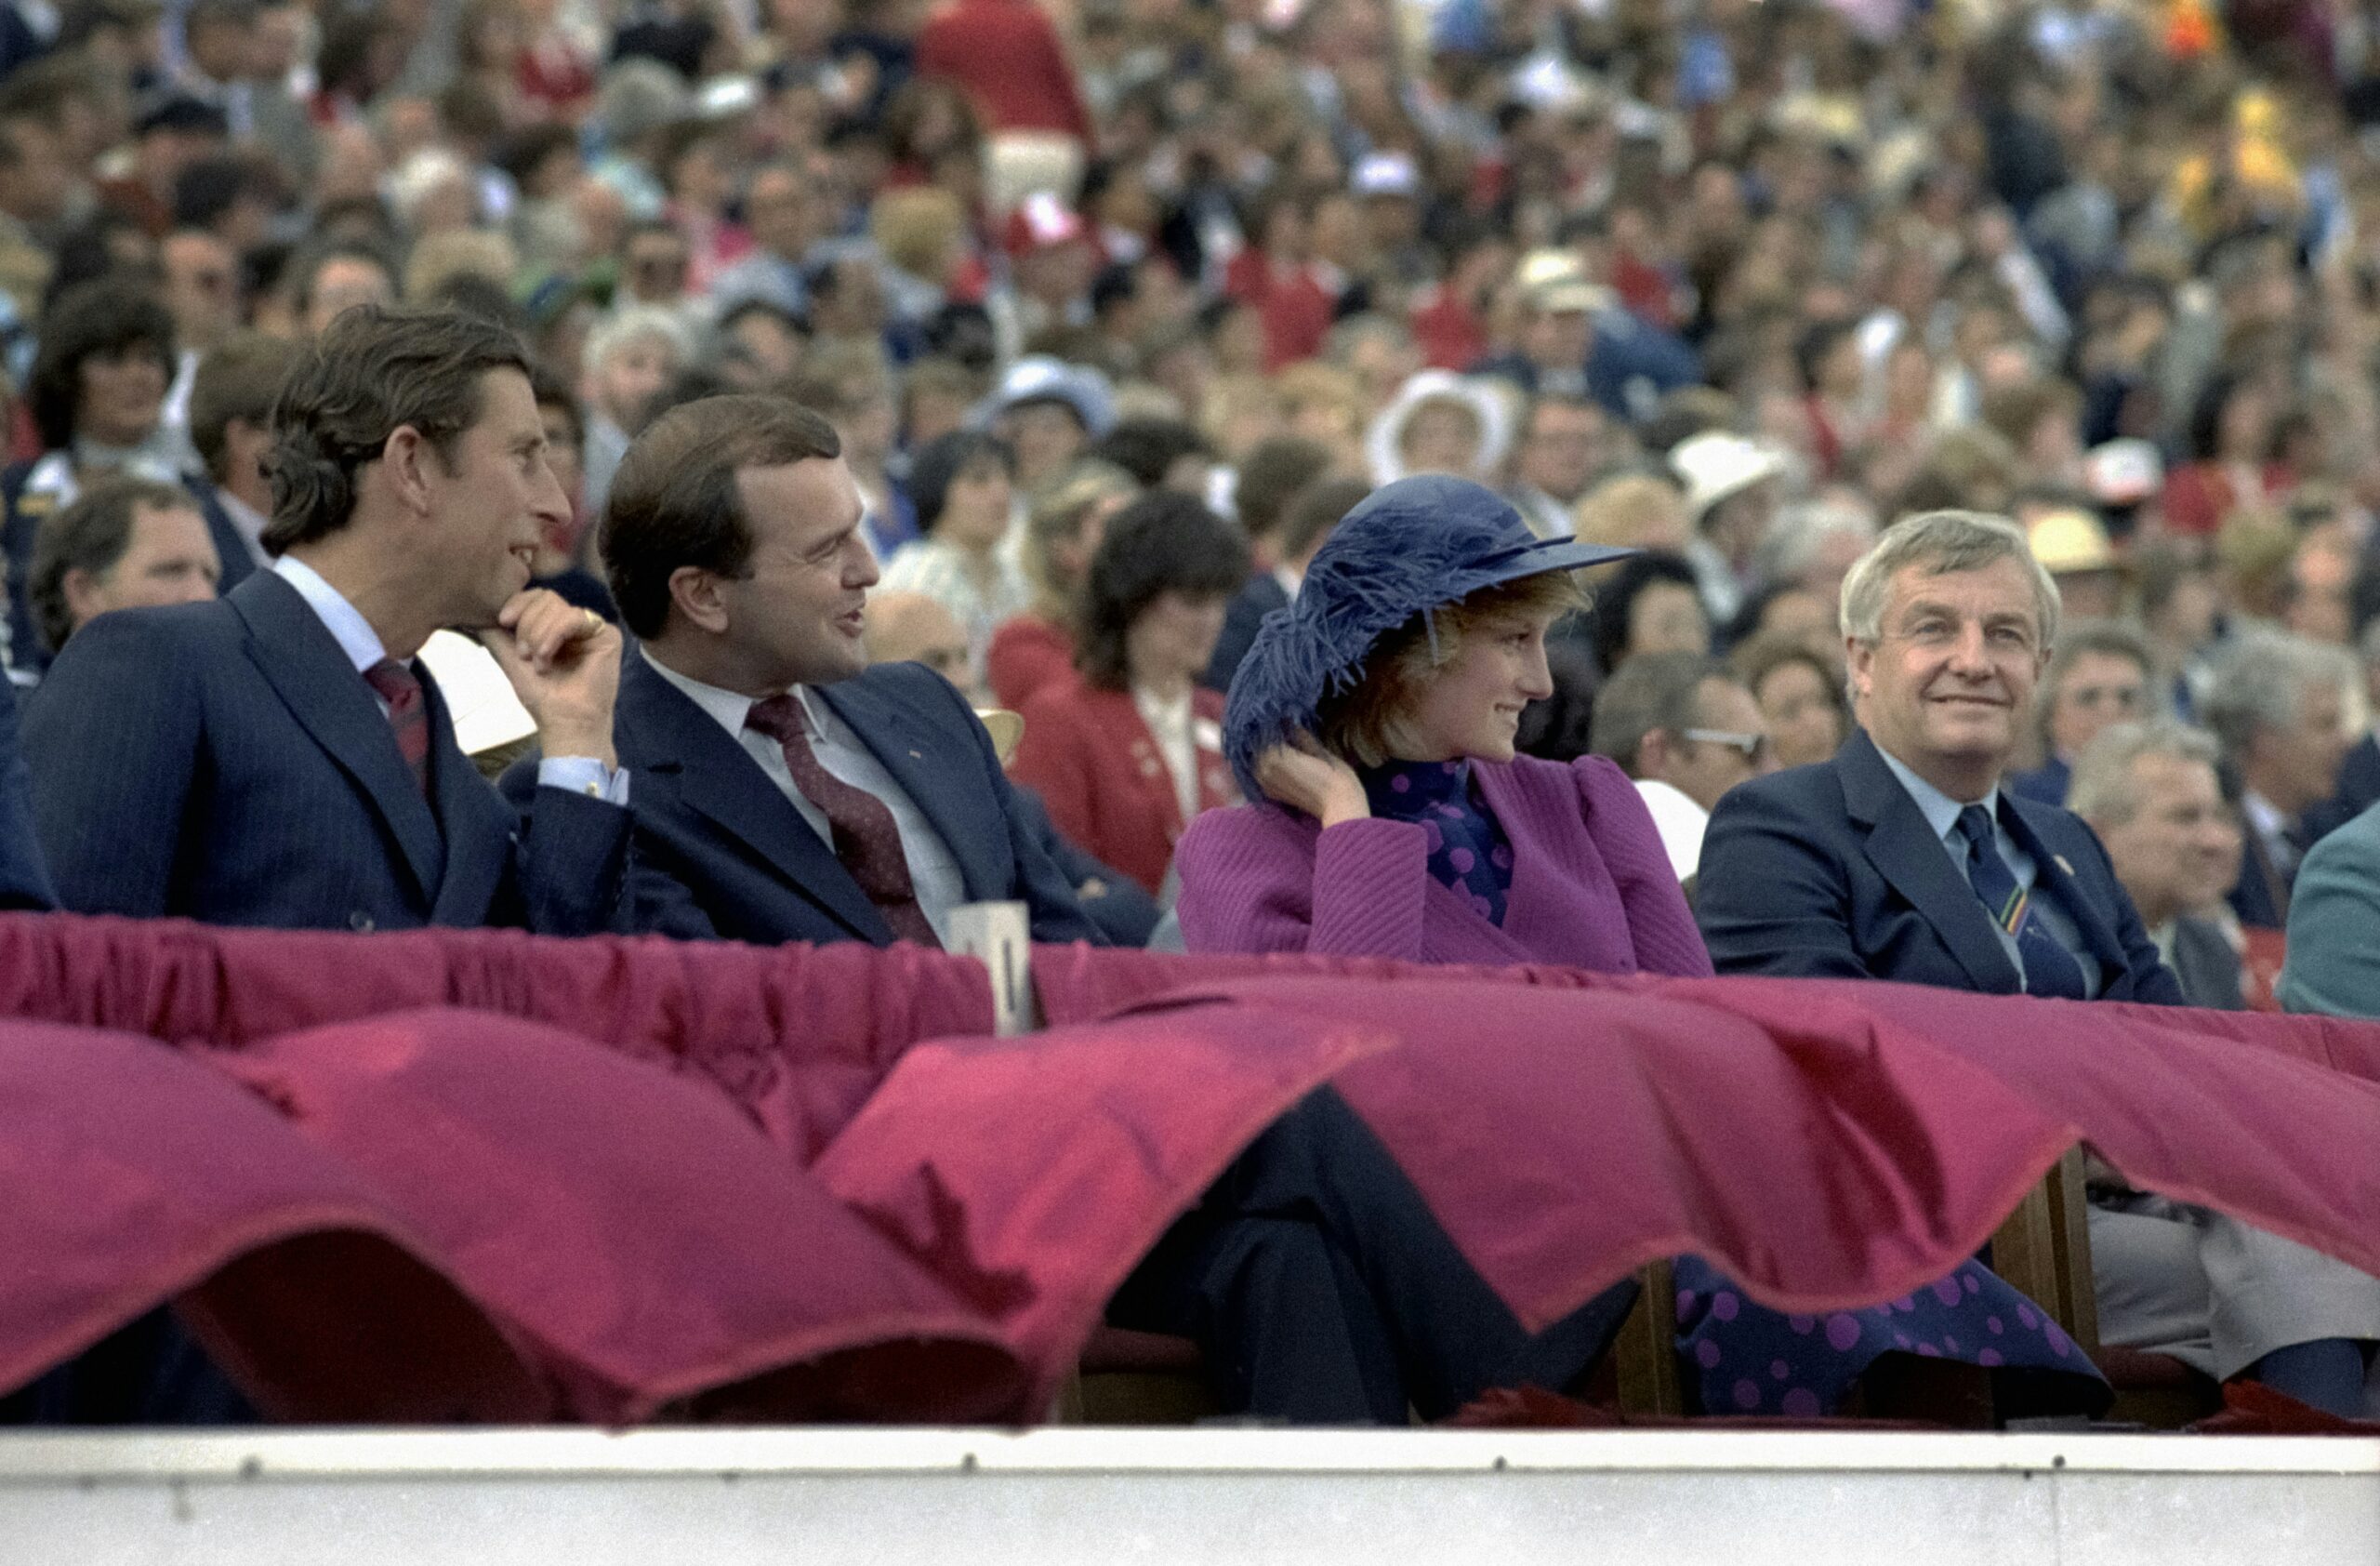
1054 760
1245 887
2332 966
1772 896
571 864
652 901
112 740
1056 915
24 879
1661 926
2152 981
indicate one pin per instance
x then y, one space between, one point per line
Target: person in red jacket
1007 56
1127 750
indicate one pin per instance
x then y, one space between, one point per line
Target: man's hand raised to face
565 665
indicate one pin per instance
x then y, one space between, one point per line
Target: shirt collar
1941 812
731 710
343 620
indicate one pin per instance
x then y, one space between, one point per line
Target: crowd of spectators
1113 309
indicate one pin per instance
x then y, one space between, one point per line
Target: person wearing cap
1439 423
2101 675
1373 723
1558 304
1388 185
1053 259
1047 411
2073 546
1732 488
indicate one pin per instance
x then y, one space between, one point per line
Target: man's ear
1859 658
82 589
405 459
693 592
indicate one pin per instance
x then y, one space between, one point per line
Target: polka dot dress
1746 1359
1468 852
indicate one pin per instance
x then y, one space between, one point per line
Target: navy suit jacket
722 852
224 762
1832 872
24 879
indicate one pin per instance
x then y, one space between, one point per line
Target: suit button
360 921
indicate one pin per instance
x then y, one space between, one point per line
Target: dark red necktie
866 838
401 688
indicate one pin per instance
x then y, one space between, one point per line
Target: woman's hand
1304 776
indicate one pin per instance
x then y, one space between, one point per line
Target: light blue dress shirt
580 775
1941 813
934 870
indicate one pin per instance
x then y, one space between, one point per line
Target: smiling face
490 502
1470 706
122 393
798 614
1945 685
2179 851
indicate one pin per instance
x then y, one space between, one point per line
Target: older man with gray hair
2277 707
1903 857
2222 1296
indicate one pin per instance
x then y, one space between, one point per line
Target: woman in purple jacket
1378 714
1375 718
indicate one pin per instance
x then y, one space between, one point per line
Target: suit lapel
1904 850
715 776
304 664
2052 872
928 780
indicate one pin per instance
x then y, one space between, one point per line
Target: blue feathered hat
1409 547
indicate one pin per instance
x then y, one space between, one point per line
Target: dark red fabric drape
1830 1143
484 1175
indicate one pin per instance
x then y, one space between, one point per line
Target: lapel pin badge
2062 864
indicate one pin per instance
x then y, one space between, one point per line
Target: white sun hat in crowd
1716 465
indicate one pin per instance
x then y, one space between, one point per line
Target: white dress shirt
1680 821
934 870
1168 724
1941 813
580 775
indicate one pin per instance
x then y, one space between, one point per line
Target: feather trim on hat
1409 548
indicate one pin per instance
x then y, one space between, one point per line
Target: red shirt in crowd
1007 57
1296 309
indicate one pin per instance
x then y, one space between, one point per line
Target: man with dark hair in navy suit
1906 858
275 757
786 790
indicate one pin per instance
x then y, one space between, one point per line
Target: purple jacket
1591 887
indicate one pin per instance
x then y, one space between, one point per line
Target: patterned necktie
401 688
2050 969
866 838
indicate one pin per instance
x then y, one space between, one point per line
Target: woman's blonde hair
1360 724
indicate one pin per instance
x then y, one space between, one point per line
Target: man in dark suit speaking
276 757
1903 857
785 789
